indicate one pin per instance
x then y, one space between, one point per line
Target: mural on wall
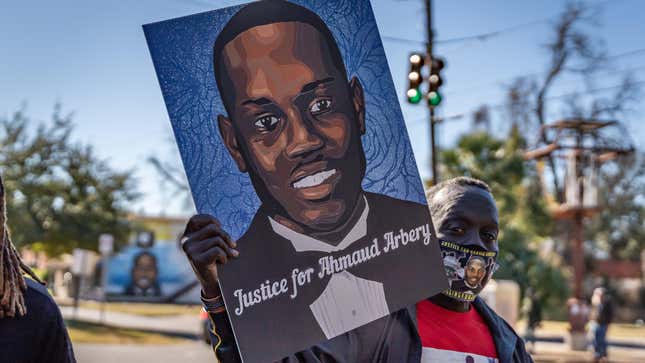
152 268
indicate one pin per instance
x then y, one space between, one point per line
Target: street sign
82 263
106 243
145 239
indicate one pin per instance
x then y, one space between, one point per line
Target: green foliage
60 195
524 220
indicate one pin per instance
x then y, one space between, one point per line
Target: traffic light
415 78
434 81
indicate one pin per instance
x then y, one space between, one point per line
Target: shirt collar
304 243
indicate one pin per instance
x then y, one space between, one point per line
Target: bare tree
573 52
481 118
172 178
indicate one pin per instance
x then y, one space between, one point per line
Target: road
193 352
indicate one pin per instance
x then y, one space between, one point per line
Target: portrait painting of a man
321 255
144 276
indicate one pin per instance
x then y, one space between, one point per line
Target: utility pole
584 145
416 78
433 147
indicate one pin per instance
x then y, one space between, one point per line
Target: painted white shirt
348 301
433 355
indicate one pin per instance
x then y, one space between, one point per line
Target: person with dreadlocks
31 326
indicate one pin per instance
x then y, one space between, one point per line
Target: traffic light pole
433 149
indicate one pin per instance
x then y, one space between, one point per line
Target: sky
92 58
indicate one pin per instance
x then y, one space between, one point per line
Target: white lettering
264 292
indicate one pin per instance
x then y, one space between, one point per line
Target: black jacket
403 344
387 340
510 347
40 335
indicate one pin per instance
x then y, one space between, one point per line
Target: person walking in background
602 313
31 326
532 312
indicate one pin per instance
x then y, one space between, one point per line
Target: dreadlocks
12 283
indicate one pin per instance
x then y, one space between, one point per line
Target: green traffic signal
434 98
414 95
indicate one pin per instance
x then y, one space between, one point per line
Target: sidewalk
180 325
194 352
623 342
549 348
557 352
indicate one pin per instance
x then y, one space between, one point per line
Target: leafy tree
60 194
524 221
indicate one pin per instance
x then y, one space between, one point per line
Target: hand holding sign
206 244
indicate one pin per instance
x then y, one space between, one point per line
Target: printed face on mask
475 271
468 269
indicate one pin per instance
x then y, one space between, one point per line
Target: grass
143 309
85 332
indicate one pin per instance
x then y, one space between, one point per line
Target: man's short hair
141 255
478 259
462 181
263 13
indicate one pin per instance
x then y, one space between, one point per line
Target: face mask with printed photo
468 269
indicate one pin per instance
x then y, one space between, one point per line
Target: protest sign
291 135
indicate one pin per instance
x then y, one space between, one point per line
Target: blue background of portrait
181 50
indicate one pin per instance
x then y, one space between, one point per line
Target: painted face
144 273
295 123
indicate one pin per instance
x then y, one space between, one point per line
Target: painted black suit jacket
264 255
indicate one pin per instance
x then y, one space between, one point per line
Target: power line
480 37
551 98
627 54
488 35
486 85
591 91
569 94
403 40
485 36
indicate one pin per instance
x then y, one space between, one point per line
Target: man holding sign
452 326
295 124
